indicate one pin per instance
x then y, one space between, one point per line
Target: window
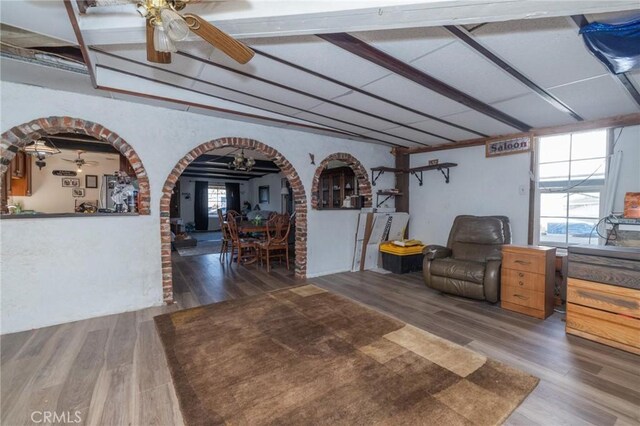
571 176
217 199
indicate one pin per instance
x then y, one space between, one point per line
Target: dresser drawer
615 330
604 297
523 262
523 280
522 297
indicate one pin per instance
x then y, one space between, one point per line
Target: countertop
57 215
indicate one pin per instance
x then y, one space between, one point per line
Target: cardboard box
632 205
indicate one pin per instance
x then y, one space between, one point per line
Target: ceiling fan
166 26
81 162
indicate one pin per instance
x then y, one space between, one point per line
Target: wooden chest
527 282
603 296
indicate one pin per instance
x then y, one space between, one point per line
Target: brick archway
17 137
299 199
364 185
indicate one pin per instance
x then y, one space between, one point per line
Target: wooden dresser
528 277
603 295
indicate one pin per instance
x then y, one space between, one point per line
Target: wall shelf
440 167
443 168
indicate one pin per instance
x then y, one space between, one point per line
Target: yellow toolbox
401 260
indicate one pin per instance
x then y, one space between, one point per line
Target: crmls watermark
57 417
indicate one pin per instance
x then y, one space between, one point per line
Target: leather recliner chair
470 264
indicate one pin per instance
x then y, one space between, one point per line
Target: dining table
246 227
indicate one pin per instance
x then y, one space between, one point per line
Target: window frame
600 189
219 187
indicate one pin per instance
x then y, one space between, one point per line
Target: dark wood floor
200 280
112 369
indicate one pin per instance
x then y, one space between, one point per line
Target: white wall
59 270
629 179
491 186
48 194
273 182
478 186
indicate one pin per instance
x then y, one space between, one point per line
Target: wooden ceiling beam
83 47
214 176
364 92
83 146
177 86
225 170
328 128
87 60
320 99
582 126
465 37
208 160
366 51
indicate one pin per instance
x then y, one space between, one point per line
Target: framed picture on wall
70 182
263 194
77 192
91 181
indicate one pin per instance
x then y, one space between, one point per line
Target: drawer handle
520 274
522 262
519 296
520 282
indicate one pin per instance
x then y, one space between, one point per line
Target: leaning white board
382 227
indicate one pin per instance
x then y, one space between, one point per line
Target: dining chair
245 247
277 240
227 242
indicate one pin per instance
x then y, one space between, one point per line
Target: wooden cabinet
126 167
527 281
17 180
18 165
603 296
335 185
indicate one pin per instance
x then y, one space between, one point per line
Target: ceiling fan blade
152 54
218 38
91 163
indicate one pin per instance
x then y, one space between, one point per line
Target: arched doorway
364 185
17 137
299 199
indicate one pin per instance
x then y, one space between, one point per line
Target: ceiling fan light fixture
40 149
161 40
174 25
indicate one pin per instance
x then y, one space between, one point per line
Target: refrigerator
106 190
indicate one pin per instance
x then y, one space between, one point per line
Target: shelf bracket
446 175
374 177
379 203
419 177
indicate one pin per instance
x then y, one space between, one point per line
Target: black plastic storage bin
402 264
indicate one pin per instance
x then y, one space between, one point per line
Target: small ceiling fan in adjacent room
165 26
81 162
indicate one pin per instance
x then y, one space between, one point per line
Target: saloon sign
508 146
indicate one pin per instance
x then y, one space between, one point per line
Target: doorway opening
205 181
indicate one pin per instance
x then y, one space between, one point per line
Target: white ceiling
366 102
